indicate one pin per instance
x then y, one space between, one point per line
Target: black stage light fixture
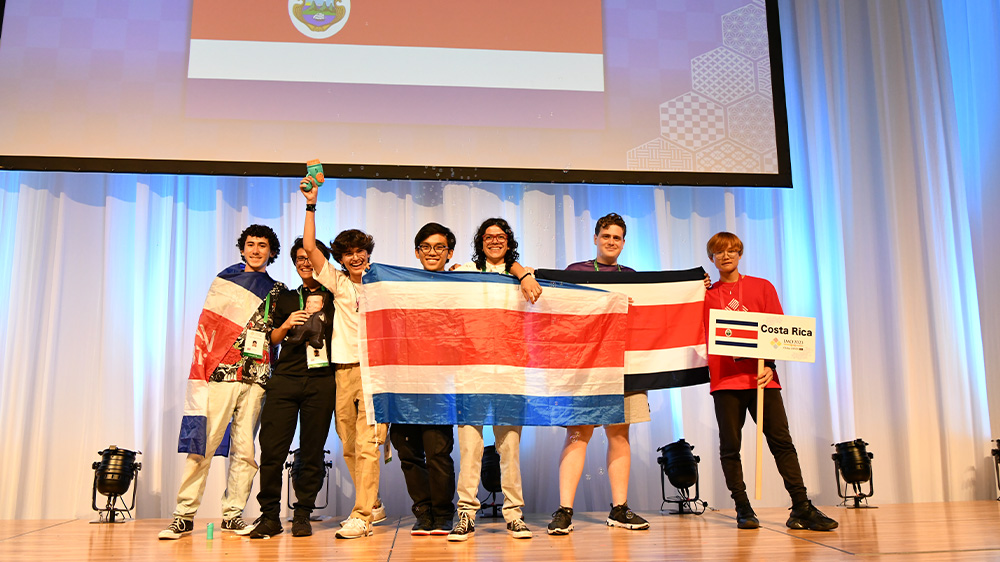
680 466
490 477
996 459
854 463
294 468
112 476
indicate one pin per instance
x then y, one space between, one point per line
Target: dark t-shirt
589 266
292 358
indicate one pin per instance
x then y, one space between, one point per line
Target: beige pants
241 403
360 440
470 447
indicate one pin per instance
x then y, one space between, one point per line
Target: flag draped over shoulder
232 299
466 348
665 344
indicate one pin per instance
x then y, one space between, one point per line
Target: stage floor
928 531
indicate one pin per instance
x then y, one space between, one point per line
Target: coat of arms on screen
319 19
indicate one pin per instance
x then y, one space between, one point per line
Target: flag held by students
665 340
233 297
466 348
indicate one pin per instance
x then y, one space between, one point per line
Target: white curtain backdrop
886 239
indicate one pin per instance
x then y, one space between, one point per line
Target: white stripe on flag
495 379
390 65
670 359
231 301
650 294
469 295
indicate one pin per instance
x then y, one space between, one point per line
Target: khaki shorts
636 407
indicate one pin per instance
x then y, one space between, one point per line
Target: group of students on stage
316 379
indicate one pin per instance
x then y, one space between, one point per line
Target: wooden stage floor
930 531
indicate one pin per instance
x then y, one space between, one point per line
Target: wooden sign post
761 336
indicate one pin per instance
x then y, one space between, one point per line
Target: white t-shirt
347 318
490 268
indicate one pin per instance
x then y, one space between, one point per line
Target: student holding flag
609 238
351 249
231 365
733 385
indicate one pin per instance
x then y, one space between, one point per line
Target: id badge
253 345
317 357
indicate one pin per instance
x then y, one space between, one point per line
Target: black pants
429 471
289 399
731 408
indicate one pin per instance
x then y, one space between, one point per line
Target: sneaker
423 526
622 516
236 525
378 513
442 527
355 528
745 517
265 527
562 521
518 529
466 528
805 516
301 526
177 529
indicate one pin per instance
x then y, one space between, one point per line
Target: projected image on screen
666 92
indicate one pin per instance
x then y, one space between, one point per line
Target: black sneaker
745 517
423 526
466 528
518 529
266 527
562 521
177 529
805 516
442 527
301 526
622 516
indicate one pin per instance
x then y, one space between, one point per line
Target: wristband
311 207
521 278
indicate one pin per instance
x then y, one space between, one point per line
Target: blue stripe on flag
735 343
193 434
382 272
737 322
257 283
498 409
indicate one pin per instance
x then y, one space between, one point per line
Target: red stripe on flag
646 326
734 333
492 336
212 341
520 25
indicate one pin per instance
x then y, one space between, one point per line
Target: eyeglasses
301 259
730 253
494 237
438 248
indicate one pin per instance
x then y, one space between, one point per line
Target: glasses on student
494 237
730 253
438 248
301 259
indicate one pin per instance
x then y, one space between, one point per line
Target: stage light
996 459
490 477
112 476
853 462
294 468
680 466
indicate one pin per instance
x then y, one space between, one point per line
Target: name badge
316 358
254 344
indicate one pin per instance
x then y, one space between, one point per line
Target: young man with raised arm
361 440
609 238
302 391
231 366
734 383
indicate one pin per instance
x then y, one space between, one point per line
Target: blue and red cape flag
665 343
232 299
466 348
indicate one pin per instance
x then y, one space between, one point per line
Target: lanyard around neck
598 270
739 287
302 305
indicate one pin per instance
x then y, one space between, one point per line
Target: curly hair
479 254
608 220
260 231
350 241
298 246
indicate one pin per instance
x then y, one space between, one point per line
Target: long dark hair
479 255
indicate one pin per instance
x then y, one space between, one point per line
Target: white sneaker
355 528
378 514
177 529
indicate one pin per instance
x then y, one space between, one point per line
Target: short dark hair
609 220
479 255
432 228
298 246
260 231
352 239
